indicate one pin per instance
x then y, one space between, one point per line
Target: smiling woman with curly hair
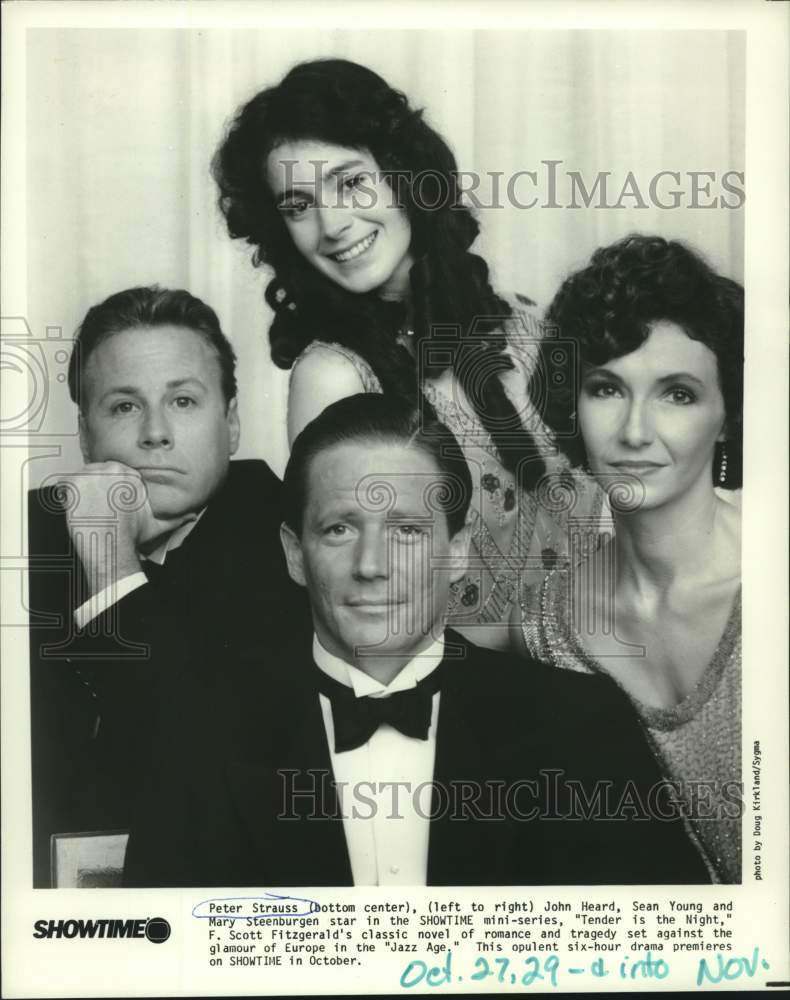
650 402
353 200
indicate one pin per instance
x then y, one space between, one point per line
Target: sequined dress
517 535
696 743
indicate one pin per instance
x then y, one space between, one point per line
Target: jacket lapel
453 857
286 800
476 840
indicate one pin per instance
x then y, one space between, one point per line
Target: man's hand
109 518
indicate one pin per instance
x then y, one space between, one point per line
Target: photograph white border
63 968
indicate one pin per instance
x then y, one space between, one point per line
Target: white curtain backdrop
122 125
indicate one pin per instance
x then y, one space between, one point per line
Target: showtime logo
155 929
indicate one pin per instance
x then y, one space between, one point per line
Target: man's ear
84 436
292 548
459 552
234 426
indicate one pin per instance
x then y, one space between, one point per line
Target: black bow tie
357 719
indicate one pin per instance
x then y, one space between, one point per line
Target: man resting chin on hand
157 547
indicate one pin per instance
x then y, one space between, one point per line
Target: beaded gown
697 743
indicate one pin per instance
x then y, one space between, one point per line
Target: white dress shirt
118 589
387 837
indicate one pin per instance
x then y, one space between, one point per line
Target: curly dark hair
607 309
345 104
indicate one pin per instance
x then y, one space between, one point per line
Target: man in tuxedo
400 754
156 548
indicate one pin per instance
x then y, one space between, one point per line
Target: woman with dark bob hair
647 376
353 200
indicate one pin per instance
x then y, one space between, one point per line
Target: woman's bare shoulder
321 375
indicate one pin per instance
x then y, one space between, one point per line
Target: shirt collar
173 540
415 670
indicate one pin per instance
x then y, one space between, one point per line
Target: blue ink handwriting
525 972
730 968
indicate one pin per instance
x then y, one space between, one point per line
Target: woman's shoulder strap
366 374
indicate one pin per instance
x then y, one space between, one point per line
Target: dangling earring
723 464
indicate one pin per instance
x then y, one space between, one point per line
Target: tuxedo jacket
94 691
221 812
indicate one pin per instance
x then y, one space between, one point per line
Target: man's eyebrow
410 513
175 383
306 187
133 390
339 511
128 390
